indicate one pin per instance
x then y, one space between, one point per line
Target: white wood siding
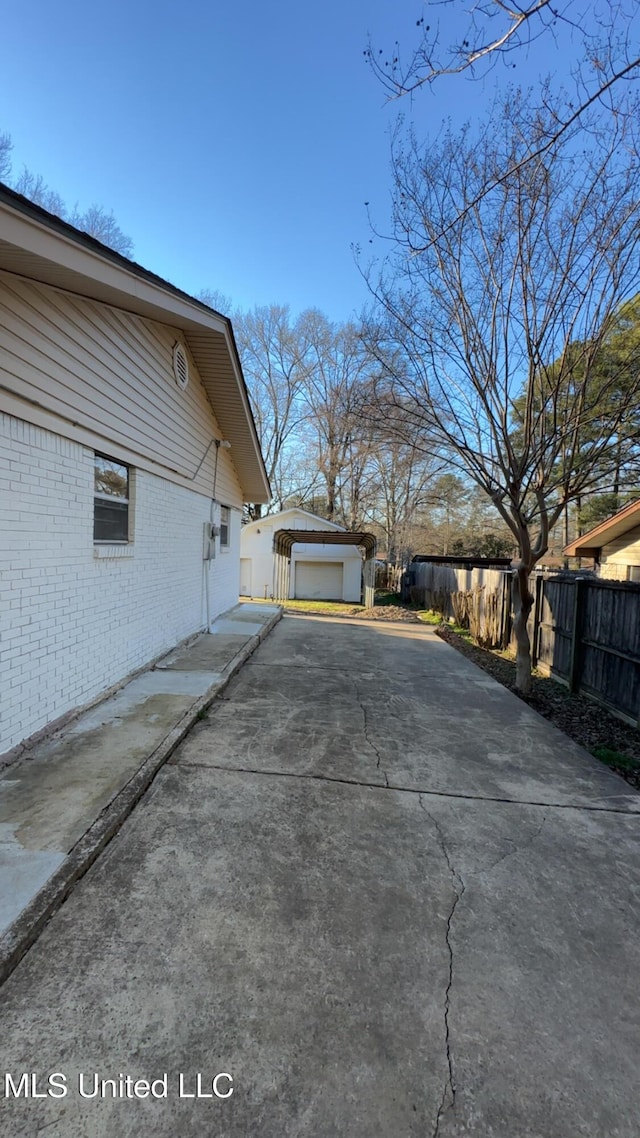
619 553
107 377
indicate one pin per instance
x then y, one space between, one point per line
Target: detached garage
318 572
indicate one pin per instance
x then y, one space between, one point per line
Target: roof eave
590 543
38 246
575 549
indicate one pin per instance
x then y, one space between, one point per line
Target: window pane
111 478
224 525
110 520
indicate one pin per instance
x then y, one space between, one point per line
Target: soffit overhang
39 247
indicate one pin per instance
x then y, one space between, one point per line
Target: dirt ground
388 612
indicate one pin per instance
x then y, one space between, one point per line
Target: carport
285 539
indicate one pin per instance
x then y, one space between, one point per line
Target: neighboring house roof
590 544
269 519
38 246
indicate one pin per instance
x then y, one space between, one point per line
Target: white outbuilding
318 572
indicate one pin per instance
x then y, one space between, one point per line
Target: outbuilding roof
269 519
38 246
285 539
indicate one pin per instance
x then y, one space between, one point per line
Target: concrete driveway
372 887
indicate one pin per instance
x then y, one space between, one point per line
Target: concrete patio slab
438 704
208 654
58 791
363 961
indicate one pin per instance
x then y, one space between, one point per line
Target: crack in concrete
458 885
446 794
52 1122
517 849
448 1100
369 741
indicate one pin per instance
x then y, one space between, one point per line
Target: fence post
506 608
574 660
537 610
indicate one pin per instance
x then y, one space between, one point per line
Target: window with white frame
225 527
110 500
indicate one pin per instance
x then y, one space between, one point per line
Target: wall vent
180 365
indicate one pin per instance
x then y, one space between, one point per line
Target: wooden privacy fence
476 598
585 631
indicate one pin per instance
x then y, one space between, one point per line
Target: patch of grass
203 713
340 608
429 616
464 632
616 759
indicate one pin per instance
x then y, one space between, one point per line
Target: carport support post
284 583
369 580
283 577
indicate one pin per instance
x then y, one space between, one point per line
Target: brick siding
76 618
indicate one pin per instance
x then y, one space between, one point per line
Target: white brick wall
75 618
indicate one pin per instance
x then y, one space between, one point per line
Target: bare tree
501 304
272 350
449 495
95 221
494 31
34 187
102 225
403 478
217 300
6 146
604 58
338 372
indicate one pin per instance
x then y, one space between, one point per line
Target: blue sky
235 145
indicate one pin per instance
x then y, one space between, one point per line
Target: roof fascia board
132 288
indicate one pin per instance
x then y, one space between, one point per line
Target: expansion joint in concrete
446 795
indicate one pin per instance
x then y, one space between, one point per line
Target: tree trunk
331 480
522 605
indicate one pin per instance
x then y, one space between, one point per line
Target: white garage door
318 580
